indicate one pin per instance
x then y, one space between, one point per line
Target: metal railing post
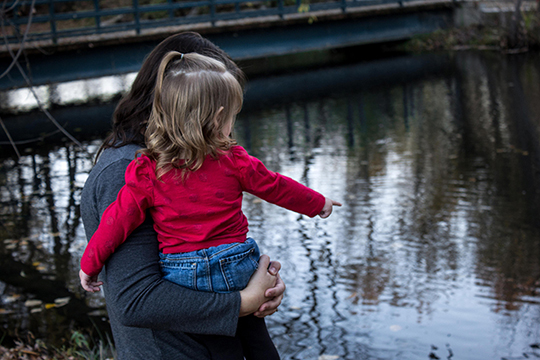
15 18
98 16
171 11
137 16
52 22
281 9
344 6
213 12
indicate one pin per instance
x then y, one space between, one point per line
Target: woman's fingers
274 267
264 261
277 290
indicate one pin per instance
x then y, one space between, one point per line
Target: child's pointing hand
327 209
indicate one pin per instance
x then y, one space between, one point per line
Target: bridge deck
208 27
73 58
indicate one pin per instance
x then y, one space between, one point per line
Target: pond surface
434 254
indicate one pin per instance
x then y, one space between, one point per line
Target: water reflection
435 251
67 94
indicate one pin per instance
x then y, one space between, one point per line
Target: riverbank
508 35
79 346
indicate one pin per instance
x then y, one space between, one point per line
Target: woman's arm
141 298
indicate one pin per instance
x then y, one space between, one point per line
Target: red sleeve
275 188
123 216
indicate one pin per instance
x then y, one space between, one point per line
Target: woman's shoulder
112 154
111 163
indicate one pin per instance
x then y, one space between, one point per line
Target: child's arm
279 189
118 221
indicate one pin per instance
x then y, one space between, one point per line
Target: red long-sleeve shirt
201 211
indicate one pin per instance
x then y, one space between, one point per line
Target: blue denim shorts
223 268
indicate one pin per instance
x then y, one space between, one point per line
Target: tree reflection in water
437 245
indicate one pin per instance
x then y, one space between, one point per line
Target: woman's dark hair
133 110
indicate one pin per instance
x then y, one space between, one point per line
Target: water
435 252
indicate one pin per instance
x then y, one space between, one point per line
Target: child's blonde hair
186 123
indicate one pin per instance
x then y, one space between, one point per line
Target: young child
191 178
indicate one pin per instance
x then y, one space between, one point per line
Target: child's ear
218 116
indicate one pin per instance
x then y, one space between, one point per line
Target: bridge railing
54 19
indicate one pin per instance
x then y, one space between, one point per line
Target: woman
152 318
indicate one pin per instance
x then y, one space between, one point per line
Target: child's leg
224 268
255 339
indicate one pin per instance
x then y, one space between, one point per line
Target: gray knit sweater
150 317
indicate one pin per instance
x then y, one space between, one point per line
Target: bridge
68 40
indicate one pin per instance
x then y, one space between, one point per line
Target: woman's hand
275 295
89 283
261 284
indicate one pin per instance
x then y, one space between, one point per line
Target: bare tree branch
27 80
26 31
10 139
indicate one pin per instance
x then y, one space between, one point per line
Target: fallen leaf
49 306
29 352
62 301
35 310
12 298
33 303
